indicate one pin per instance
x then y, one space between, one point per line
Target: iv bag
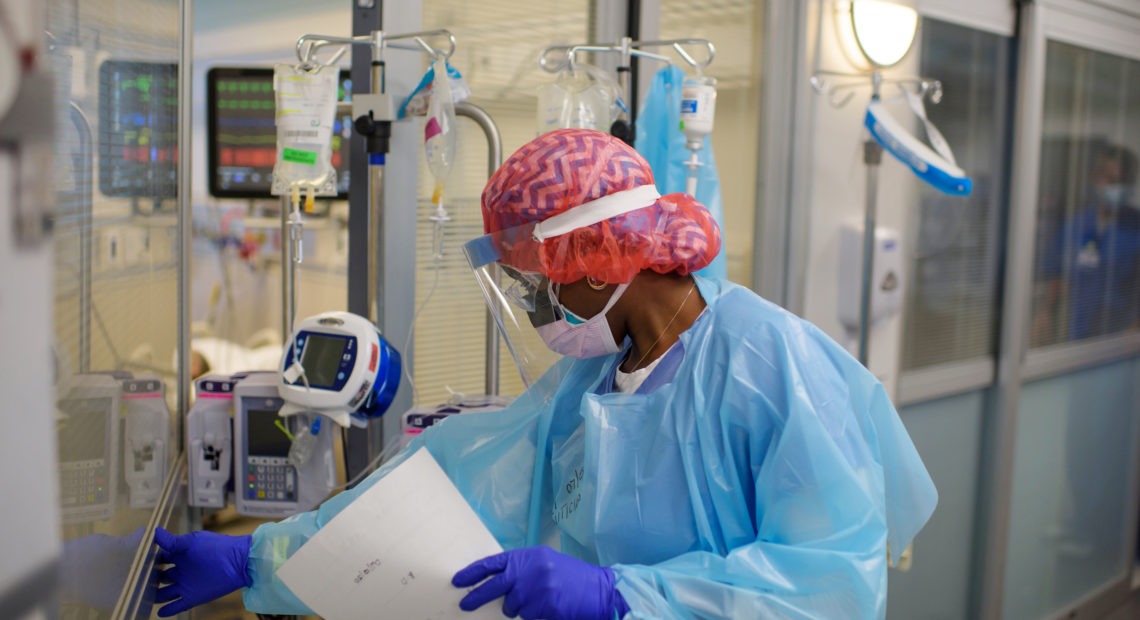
583 97
439 126
304 441
306 110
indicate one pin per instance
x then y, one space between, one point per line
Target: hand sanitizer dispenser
886 276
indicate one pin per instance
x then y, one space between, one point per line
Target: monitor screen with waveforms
138 129
241 140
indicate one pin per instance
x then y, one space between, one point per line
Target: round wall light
883 31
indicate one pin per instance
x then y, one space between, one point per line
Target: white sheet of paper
392 552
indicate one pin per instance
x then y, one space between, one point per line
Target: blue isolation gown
759 471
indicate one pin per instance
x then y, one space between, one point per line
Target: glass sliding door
947 434
1073 480
116 280
1087 271
951 310
1071 402
951 315
1071 515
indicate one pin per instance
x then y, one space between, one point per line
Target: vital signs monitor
337 364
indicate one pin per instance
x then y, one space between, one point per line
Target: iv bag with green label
306 110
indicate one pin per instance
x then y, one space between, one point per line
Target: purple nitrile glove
206 566
541 583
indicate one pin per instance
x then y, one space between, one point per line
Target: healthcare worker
698 453
1093 262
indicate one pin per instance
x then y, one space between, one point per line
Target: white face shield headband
938 169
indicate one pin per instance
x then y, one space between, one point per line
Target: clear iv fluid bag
304 441
584 97
439 127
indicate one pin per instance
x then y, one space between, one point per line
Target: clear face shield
509 267
520 300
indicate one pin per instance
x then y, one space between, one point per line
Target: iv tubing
691 178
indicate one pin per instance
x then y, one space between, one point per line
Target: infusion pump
266 438
86 421
113 433
239 446
270 482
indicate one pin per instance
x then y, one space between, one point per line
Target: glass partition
1087 279
115 281
1070 516
238 321
952 307
948 435
503 72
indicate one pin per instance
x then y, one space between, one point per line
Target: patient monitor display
322 359
138 129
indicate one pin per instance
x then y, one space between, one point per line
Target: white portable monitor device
87 424
338 365
147 439
266 484
209 441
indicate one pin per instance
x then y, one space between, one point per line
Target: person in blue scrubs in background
1092 267
1091 273
698 452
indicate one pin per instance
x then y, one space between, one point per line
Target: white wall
836 179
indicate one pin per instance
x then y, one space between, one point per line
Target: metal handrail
494 160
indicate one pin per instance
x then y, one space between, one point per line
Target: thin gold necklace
667 326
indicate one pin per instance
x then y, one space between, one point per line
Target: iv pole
373 113
872 158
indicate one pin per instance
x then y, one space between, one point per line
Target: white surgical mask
1115 196
583 339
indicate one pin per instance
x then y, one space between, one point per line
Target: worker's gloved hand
206 566
539 582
